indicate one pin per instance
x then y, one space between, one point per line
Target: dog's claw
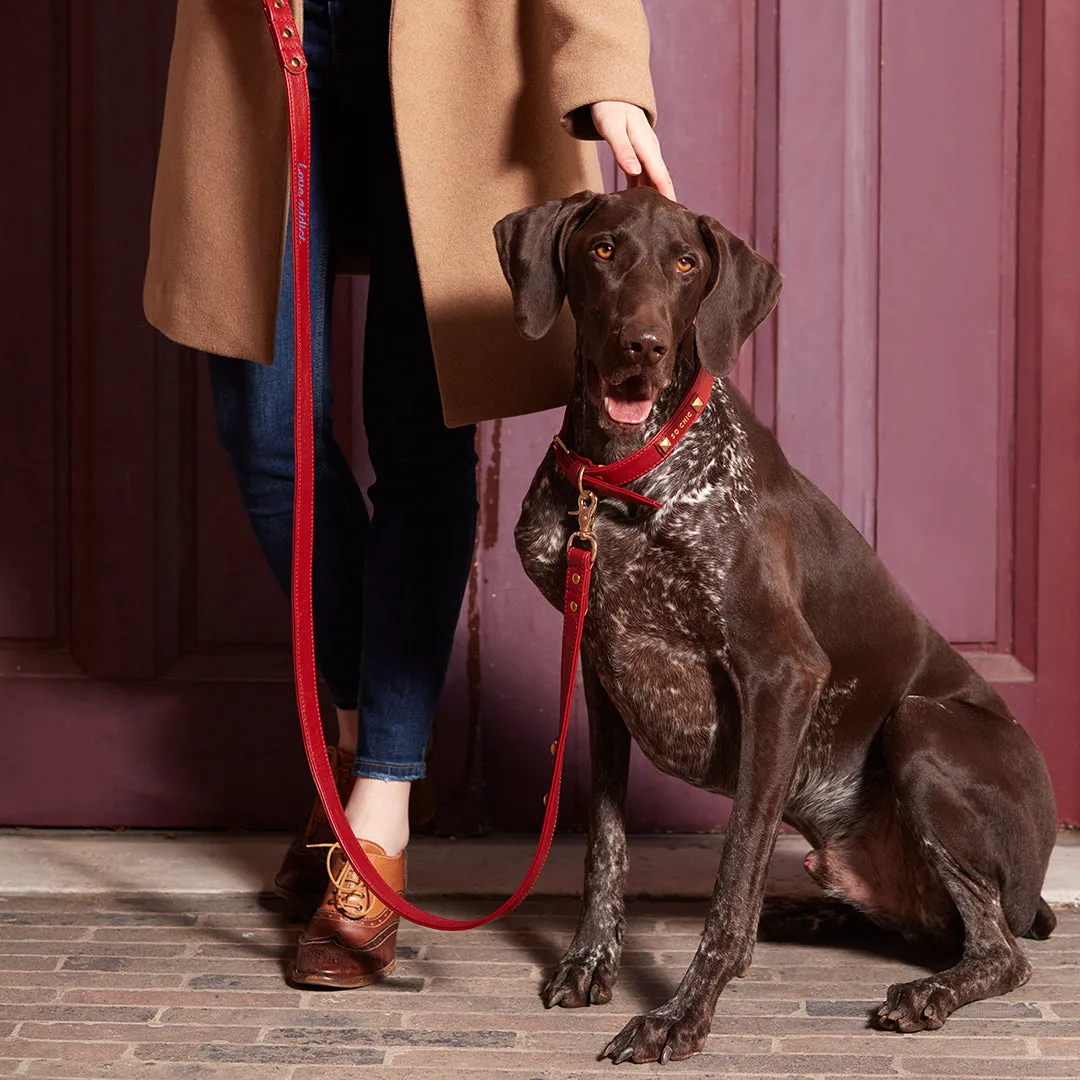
659 1036
583 977
923 1005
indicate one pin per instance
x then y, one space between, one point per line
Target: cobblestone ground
184 987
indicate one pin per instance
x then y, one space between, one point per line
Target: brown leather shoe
352 938
301 878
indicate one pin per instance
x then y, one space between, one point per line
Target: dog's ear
741 291
532 250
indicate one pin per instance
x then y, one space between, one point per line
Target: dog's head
643 276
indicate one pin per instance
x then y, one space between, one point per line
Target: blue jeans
387 590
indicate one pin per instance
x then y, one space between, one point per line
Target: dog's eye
684 264
604 250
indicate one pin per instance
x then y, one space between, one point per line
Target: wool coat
490 101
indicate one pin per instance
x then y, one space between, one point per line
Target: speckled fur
751 643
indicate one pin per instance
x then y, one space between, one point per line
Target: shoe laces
351 895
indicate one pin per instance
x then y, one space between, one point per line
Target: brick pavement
185 987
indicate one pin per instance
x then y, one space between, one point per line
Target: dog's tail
1044 923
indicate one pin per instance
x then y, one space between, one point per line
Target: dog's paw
659 1036
582 978
923 1005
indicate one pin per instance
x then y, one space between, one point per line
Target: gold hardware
295 62
590 540
286 33
585 513
575 578
586 506
573 605
545 800
279 3
561 445
553 747
665 445
697 403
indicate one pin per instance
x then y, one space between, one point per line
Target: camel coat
485 93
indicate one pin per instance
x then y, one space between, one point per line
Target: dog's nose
645 343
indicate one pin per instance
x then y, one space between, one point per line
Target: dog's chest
657 646
654 633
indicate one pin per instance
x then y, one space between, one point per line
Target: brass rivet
573 605
576 579
698 403
665 445
286 33
545 800
295 61
553 746
279 3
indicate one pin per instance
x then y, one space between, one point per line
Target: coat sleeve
599 52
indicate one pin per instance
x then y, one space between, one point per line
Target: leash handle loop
289 47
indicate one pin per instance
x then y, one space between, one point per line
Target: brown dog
753 644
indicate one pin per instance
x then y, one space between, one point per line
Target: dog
752 643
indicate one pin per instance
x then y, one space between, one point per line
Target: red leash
580 559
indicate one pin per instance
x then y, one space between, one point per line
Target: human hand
626 129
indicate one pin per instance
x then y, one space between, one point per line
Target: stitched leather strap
612 479
290 53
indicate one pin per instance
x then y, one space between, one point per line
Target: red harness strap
580 559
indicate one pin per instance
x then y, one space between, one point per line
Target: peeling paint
489 531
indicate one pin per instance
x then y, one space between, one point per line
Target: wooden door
910 164
142 677
897 159
920 145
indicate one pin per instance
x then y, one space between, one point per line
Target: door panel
946 302
821 157
31 418
911 165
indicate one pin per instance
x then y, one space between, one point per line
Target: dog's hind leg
973 791
587 972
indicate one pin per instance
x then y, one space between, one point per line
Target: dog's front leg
776 702
587 972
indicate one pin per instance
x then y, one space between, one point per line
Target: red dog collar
612 479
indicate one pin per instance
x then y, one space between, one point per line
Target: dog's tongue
628 411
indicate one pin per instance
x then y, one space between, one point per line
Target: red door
899 161
910 164
142 679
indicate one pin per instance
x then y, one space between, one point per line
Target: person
427 127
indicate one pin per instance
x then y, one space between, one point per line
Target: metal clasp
585 513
